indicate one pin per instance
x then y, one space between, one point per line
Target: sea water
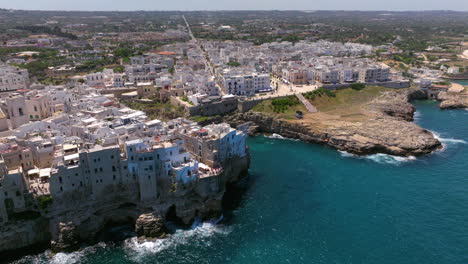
306 203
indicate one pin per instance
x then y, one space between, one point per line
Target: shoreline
391 130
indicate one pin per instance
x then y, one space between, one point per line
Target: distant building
13 78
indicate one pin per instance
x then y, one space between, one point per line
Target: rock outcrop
387 130
150 225
67 238
451 100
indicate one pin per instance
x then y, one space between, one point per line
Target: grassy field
346 106
347 99
267 107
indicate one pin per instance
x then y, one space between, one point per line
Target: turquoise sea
305 203
463 82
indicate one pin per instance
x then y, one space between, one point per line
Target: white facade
13 78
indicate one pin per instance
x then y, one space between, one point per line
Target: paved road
307 104
205 55
206 59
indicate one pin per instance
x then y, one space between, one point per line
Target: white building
13 78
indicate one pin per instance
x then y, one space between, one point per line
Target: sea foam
446 141
136 249
381 158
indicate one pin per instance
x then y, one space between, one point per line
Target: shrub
44 201
357 86
280 105
319 92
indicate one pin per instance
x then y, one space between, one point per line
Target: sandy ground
456 88
284 90
464 55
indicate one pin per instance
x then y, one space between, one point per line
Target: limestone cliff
450 100
386 130
75 219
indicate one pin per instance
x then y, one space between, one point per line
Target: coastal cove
306 203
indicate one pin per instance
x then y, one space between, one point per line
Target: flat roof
71 157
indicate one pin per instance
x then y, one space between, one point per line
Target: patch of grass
319 92
44 201
357 86
199 118
288 112
280 105
347 100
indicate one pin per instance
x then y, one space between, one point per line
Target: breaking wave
417 116
381 158
198 234
276 136
446 141
60 258
135 250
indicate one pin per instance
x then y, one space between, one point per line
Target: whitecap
447 140
62 257
389 159
276 136
380 158
417 116
137 249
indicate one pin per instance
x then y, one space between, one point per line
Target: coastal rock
67 238
453 100
150 225
387 130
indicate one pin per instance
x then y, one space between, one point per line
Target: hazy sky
457 5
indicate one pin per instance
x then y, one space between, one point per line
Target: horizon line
238 10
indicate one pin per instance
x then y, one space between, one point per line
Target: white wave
346 154
62 257
389 159
276 136
447 140
137 249
381 158
73 257
417 116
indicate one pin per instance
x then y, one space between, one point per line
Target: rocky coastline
69 223
451 100
389 129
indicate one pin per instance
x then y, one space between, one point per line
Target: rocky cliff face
72 221
453 100
150 225
388 129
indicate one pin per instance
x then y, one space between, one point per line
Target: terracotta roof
166 53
